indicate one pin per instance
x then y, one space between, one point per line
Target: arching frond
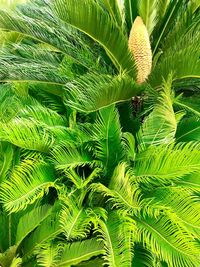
29 181
113 7
107 135
26 133
89 17
188 130
49 228
168 241
69 254
16 262
167 163
80 181
43 115
160 126
116 235
181 60
70 156
44 27
148 12
29 72
91 263
129 146
143 257
93 92
189 104
165 24
75 220
30 220
10 103
131 11
6 157
191 181
180 205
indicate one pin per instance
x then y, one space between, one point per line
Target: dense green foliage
96 170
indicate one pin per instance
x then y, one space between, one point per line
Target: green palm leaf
75 221
27 134
45 28
191 181
107 135
179 204
66 157
143 257
165 24
69 254
168 241
148 12
29 182
116 235
93 92
189 104
160 126
167 163
30 220
89 17
188 130
49 228
6 157
131 11
114 10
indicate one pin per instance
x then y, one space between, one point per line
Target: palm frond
93 92
168 241
16 262
190 104
188 130
143 257
148 12
49 228
11 71
29 182
185 24
183 62
179 205
107 135
47 29
6 157
118 198
114 10
75 220
117 239
162 6
160 126
89 17
167 163
91 263
80 181
65 157
124 195
69 254
10 103
131 12
43 115
164 26
34 218
26 133
129 146
191 181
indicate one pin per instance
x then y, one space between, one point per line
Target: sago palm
99 134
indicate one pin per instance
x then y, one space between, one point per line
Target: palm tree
104 181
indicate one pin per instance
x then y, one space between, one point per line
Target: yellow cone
139 45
